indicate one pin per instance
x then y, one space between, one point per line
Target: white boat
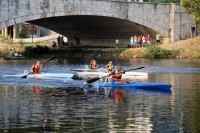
88 70
61 76
79 75
128 75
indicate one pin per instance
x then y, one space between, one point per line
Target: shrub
155 52
37 51
22 34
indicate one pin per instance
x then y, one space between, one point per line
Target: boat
88 70
135 87
14 58
128 75
60 76
138 85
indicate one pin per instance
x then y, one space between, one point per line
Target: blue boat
139 85
135 87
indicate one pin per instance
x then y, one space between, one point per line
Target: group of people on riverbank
64 42
15 53
142 41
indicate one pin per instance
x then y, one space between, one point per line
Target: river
37 105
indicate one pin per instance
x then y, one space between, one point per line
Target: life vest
36 70
117 75
92 66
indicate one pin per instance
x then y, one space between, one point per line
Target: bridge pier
5 32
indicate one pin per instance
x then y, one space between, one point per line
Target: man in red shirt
148 38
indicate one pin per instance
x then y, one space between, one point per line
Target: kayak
104 73
128 75
88 70
43 76
135 87
138 85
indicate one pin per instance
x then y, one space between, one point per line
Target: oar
25 76
97 78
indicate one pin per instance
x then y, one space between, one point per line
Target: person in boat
93 64
117 75
109 67
35 68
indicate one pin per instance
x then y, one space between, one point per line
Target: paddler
93 64
109 67
35 68
117 75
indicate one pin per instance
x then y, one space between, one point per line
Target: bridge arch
163 18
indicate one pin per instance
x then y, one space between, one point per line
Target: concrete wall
168 19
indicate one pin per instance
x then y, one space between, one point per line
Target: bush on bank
154 51
31 51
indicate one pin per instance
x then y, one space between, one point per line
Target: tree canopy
192 7
170 1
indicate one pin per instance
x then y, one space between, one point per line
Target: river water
37 105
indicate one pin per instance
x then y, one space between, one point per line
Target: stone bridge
92 20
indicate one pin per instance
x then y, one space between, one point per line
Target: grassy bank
189 48
6 44
182 49
152 51
157 52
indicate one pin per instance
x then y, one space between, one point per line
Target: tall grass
154 51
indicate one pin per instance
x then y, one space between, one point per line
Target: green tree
192 7
149 0
170 1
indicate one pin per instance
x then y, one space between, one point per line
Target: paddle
97 78
25 76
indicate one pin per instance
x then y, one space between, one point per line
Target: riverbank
182 49
189 48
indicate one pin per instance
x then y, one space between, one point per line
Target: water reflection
29 105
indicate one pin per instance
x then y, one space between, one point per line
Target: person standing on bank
117 43
131 41
148 38
54 44
157 39
58 39
143 41
135 41
10 53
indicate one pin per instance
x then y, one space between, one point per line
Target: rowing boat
43 76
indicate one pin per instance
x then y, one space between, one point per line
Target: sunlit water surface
62 105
